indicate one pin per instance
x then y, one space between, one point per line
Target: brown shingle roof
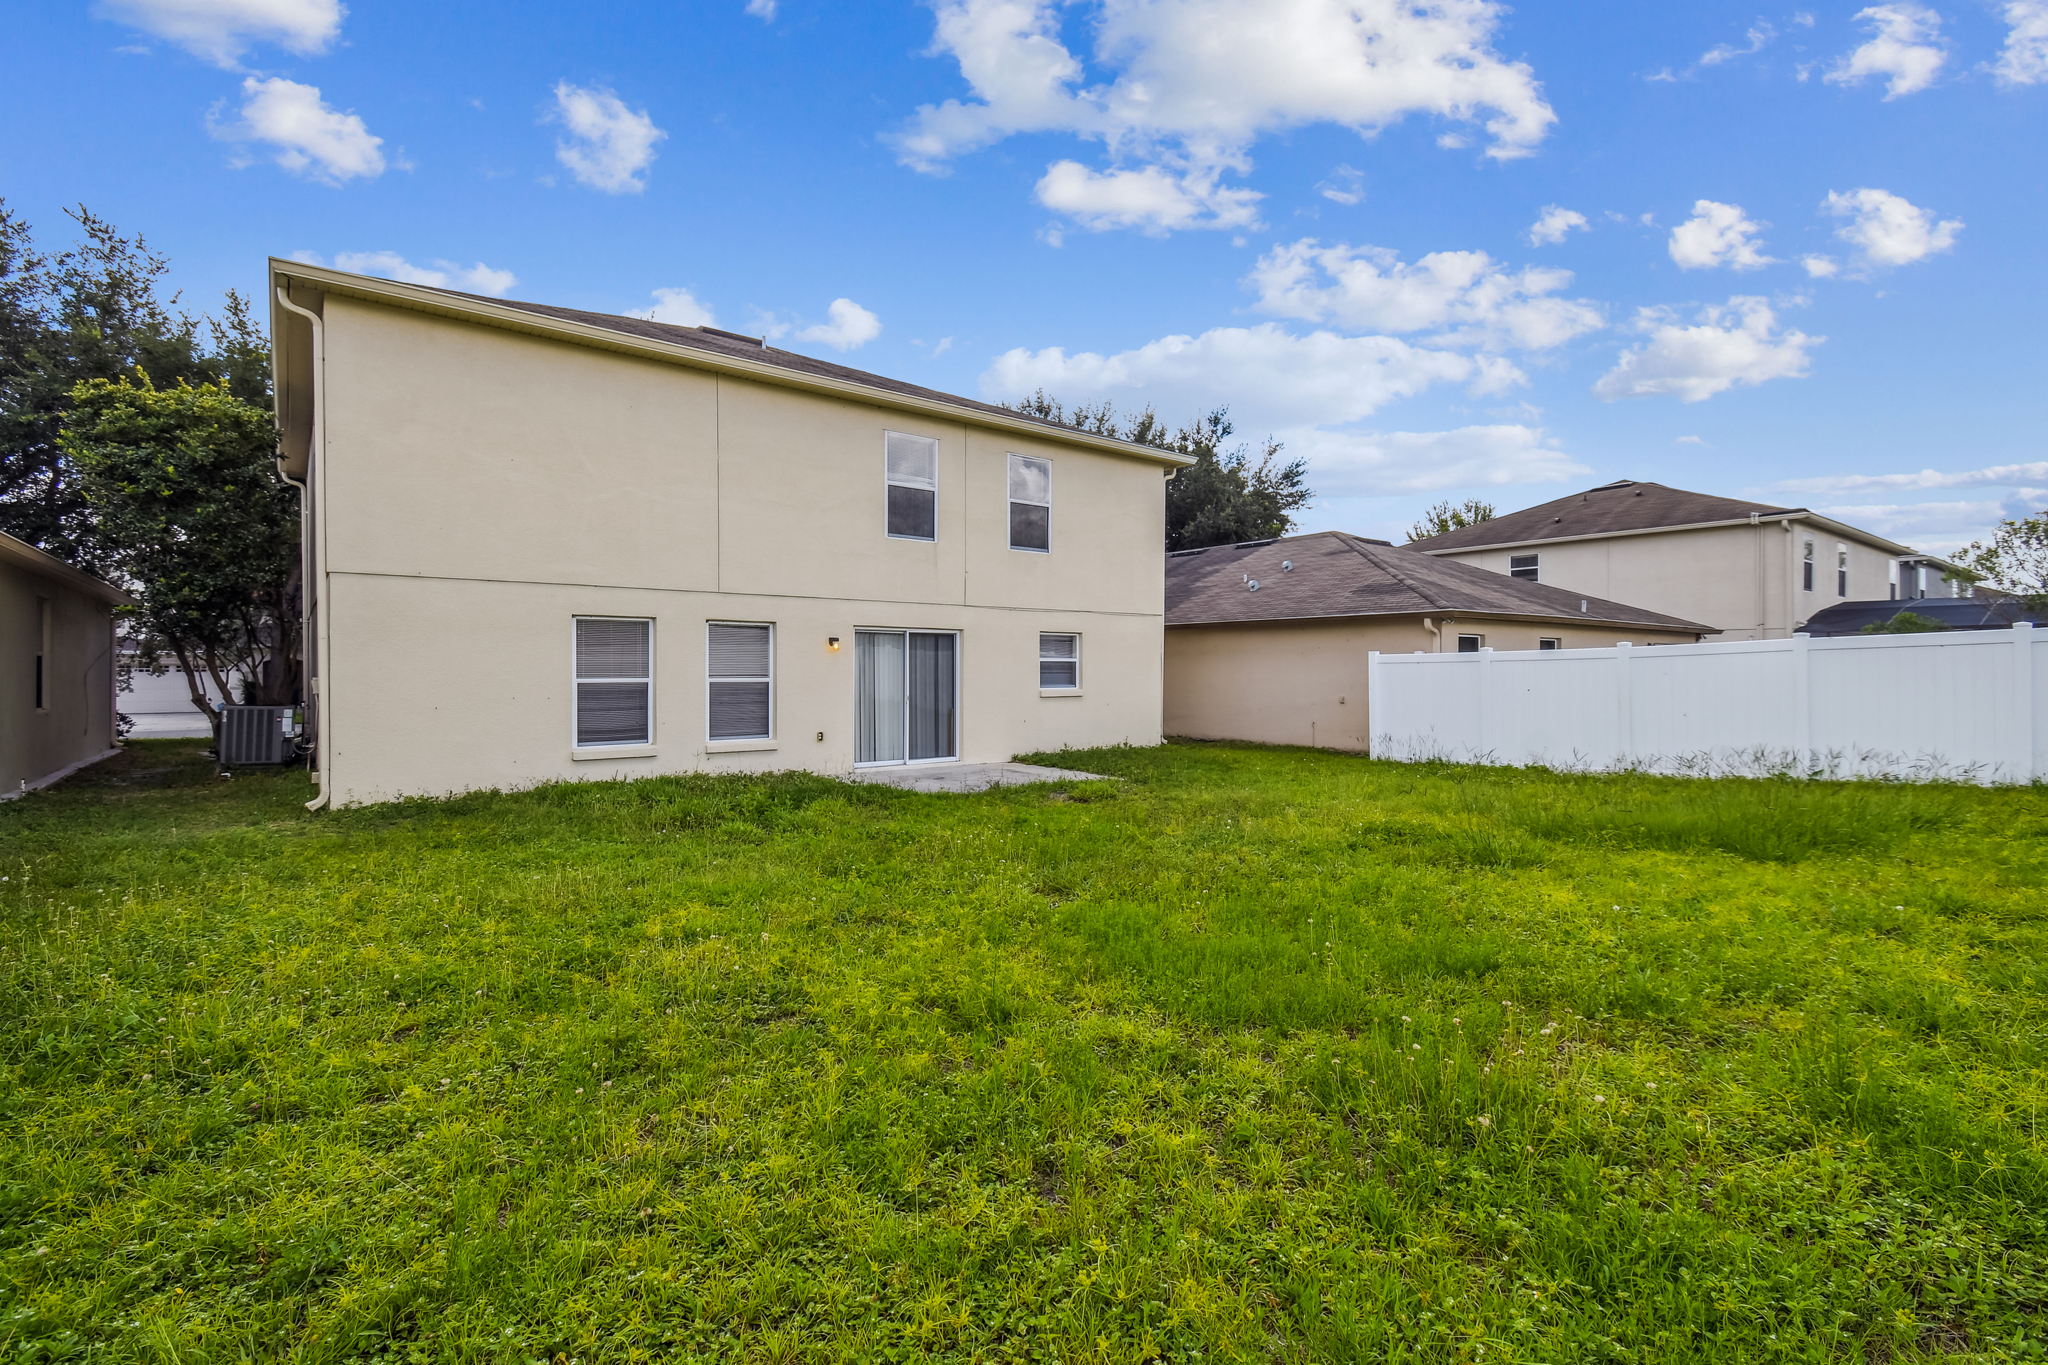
1335 574
1624 505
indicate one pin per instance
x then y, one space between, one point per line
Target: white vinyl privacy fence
1961 705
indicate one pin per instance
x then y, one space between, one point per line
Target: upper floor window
739 670
1841 571
1522 566
1806 568
1030 503
913 487
614 681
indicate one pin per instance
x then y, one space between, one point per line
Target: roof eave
1549 618
1785 514
26 556
421 299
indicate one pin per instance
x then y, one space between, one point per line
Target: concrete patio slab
970 777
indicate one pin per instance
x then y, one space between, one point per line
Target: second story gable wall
1728 577
463 451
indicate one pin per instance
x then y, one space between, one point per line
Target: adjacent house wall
76 725
484 487
1745 580
1304 682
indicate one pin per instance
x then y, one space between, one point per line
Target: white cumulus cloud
1373 464
1886 229
678 306
1150 198
609 146
1344 185
1554 224
2024 58
1716 235
305 136
847 325
222 30
470 279
1991 476
1191 85
1905 48
1726 345
1940 528
1461 298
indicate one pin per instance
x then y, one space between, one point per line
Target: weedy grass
1258 1054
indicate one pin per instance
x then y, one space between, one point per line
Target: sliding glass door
908 696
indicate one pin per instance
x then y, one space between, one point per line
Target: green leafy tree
1905 623
1450 516
93 311
2014 560
193 516
1229 494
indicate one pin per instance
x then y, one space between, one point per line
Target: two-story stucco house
1749 570
548 544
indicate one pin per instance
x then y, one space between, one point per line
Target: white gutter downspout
311 542
1436 633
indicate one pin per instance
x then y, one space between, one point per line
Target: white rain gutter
311 542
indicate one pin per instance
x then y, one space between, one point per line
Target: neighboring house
1986 611
1267 640
1749 570
548 544
158 704
56 667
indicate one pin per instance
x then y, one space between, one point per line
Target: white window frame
959 683
716 741
1075 659
576 680
1010 501
1528 573
1807 571
1463 637
1549 642
891 480
1841 571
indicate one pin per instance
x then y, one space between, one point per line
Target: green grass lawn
1258 1055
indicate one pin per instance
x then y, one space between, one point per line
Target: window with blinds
740 680
912 486
1030 503
614 681
1059 662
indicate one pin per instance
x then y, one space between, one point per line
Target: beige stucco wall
1304 682
1746 580
77 724
484 487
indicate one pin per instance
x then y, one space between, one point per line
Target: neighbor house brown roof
1624 505
1334 574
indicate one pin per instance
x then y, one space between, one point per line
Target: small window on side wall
739 667
913 486
1841 571
614 681
1549 642
1806 568
1471 644
1059 662
1030 503
1522 566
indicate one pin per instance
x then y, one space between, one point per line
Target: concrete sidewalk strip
969 777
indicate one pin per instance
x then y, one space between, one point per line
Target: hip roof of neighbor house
1632 507
1337 575
26 556
705 348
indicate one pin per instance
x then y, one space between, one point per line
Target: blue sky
1791 253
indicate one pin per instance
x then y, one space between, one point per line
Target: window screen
740 675
1841 571
1806 568
614 681
913 486
1522 566
1548 643
1470 644
1059 661
1030 503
